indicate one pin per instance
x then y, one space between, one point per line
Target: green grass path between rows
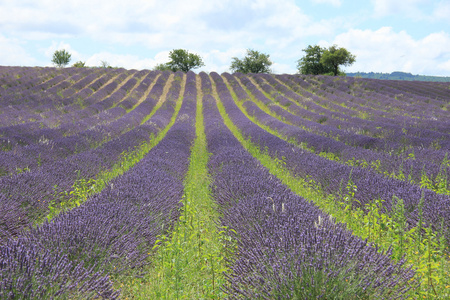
188 263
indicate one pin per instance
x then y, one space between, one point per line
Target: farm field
126 184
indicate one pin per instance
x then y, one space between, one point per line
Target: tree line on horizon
317 61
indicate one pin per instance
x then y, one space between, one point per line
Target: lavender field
126 184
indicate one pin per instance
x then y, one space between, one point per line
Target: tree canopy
311 62
253 62
61 58
79 64
333 57
319 60
181 60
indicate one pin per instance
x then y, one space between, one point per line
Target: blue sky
385 35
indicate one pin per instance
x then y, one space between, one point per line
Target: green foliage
79 64
254 62
311 62
61 58
105 64
181 60
319 60
333 57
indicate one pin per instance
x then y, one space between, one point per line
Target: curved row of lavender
286 247
30 75
399 122
416 97
107 125
58 91
392 134
42 101
401 129
354 91
25 197
420 88
412 169
327 125
63 121
406 104
114 231
15 133
14 80
333 176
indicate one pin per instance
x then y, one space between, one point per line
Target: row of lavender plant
318 122
395 139
383 136
334 177
419 127
104 100
60 113
415 170
104 126
29 81
26 196
286 247
411 92
400 104
34 104
338 104
64 84
113 232
436 92
17 81
31 76
334 125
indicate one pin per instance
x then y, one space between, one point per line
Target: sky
385 35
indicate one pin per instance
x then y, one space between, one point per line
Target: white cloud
49 51
220 61
442 11
126 61
218 30
278 68
335 3
12 53
408 8
384 50
155 24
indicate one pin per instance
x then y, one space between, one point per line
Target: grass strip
188 263
426 252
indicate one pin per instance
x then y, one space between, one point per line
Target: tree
254 62
320 60
182 60
105 64
61 58
311 62
79 64
333 57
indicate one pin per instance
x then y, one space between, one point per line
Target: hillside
146 184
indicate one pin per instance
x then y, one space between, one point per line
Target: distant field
145 184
